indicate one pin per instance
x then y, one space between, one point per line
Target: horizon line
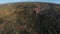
29 1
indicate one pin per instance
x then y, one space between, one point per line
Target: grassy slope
23 16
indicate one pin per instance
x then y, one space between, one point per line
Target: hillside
29 18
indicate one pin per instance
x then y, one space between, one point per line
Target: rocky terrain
29 18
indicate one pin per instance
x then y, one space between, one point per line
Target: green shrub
1 21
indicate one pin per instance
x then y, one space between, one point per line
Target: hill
30 18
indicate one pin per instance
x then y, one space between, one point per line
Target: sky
11 1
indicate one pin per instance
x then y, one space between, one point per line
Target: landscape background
29 18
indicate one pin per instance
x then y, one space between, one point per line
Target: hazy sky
9 1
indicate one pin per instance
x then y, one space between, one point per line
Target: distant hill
29 18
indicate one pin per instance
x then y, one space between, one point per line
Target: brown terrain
29 18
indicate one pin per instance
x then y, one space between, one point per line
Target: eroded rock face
30 18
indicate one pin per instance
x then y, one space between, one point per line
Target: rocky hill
29 18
